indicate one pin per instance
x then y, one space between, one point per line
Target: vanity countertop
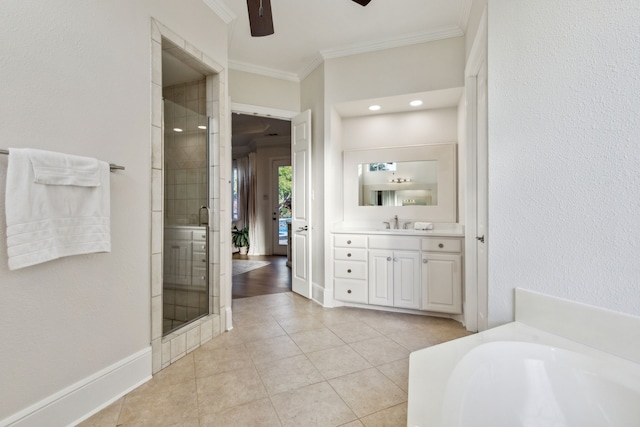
439 230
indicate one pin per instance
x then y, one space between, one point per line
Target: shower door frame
170 348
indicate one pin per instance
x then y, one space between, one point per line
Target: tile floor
288 362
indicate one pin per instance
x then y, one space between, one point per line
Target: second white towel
423 226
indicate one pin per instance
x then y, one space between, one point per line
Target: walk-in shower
186 196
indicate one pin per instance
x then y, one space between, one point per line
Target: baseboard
229 319
81 400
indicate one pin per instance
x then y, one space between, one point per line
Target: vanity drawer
348 254
350 269
437 244
351 290
349 241
394 242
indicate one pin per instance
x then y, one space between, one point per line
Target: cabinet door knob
349 255
388 258
349 271
348 242
204 260
441 245
349 291
395 259
424 261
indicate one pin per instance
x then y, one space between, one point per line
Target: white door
301 204
281 200
482 196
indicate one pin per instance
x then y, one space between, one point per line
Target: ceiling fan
260 18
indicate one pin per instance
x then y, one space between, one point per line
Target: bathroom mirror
398 183
414 182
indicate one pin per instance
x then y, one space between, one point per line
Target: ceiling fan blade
260 19
362 2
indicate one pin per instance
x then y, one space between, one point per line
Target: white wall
410 69
400 129
76 78
564 130
257 90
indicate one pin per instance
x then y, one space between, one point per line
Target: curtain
251 205
243 191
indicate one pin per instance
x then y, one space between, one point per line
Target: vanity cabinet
442 275
404 271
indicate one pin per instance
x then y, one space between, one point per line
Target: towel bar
112 166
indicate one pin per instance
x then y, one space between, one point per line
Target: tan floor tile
250 316
223 391
288 374
218 360
368 391
414 340
316 339
181 371
166 405
355 423
259 413
380 350
314 405
337 361
272 349
108 417
260 331
354 331
226 339
299 323
334 316
394 416
398 372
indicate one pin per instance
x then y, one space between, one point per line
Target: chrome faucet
395 222
387 224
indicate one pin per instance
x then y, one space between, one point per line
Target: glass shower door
186 198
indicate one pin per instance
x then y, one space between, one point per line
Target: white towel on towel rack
56 205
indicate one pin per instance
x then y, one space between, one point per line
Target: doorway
261 143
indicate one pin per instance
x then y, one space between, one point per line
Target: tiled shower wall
185 160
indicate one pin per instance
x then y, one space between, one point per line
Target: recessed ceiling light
416 103
374 107
202 127
177 130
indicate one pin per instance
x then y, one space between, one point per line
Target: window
235 208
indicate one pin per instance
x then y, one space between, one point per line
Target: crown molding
407 40
310 67
264 71
221 9
465 12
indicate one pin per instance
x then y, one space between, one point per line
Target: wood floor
271 279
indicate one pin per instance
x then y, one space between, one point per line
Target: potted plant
240 239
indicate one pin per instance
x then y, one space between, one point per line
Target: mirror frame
445 211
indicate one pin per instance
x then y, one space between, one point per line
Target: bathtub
559 364
511 383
